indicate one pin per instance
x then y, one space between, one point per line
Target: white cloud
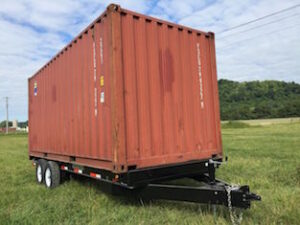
32 31
257 54
177 9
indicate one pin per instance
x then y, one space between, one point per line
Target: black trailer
152 183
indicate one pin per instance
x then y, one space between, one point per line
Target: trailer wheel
52 175
40 170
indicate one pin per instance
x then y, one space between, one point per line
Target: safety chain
235 219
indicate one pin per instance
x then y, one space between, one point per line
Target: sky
33 31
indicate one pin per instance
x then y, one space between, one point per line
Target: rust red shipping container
130 91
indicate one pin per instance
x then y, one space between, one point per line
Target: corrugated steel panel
130 90
171 101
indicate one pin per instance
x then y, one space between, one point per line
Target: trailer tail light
95 175
62 167
77 170
116 178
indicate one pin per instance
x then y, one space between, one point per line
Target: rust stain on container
129 91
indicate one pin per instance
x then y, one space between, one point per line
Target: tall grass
267 158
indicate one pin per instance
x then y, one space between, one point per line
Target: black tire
40 170
52 175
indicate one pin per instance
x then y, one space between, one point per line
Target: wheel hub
48 177
39 173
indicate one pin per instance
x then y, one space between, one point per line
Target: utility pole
6 98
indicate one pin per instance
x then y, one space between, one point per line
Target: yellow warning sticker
101 81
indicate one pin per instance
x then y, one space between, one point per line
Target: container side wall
70 109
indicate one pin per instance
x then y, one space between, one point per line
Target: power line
258 19
256 27
248 39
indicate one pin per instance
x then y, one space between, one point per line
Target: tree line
258 99
10 123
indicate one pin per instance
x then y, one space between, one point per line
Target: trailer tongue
209 193
215 194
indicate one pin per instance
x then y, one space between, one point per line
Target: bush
234 124
258 99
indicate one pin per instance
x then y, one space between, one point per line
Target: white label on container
35 88
101 51
94 60
95 96
102 97
200 75
95 79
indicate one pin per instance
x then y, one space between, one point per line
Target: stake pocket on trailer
132 101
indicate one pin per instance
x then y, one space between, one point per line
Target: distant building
15 124
10 129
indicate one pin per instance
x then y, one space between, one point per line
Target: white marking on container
101 50
102 99
35 88
96 101
95 79
94 59
200 75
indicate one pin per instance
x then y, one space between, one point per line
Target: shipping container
133 97
129 92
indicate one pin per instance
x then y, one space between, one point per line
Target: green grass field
265 157
264 122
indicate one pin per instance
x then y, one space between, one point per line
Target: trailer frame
152 183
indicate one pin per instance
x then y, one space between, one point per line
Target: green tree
258 99
3 124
